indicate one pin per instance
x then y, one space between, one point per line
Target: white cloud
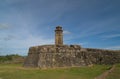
94 27
8 37
30 40
21 46
111 36
33 41
113 47
66 32
83 43
4 26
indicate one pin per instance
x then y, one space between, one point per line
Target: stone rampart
50 56
100 56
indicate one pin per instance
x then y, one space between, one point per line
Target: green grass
16 71
115 74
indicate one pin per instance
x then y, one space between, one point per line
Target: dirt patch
105 74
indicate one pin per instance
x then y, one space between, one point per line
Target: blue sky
89 23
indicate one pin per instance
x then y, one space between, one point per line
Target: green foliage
5 58
16 71
8 58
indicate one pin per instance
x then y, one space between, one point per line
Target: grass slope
16 71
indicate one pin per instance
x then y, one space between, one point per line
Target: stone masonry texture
51 56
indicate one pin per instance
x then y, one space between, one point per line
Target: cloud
111 36
66 32
9 37
33 41
102 25
113 47
4 26
83 43
0 48
14 1
21 46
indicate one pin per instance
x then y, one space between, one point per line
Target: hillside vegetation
11 59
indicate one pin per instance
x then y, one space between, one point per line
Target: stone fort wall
50 56
100 56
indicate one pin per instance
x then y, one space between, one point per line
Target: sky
89 23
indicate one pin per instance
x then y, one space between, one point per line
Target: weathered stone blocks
50 56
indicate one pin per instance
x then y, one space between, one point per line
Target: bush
9 58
